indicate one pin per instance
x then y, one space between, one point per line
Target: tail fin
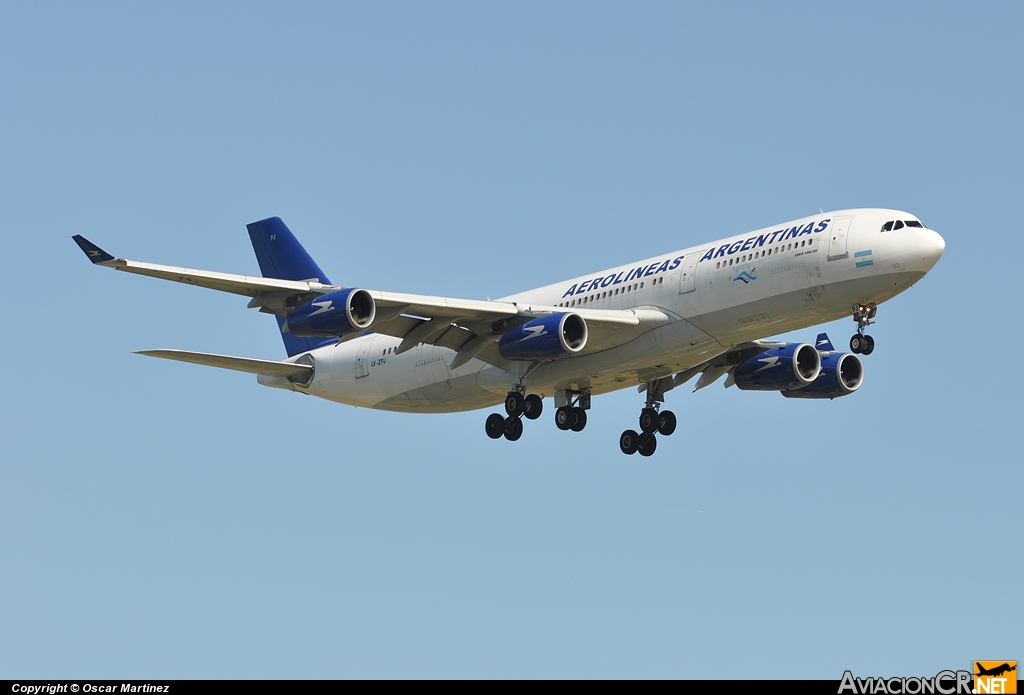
823 344
281 256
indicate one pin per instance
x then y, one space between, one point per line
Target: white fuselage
723 293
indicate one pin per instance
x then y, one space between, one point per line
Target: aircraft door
688 271
363 358
838 235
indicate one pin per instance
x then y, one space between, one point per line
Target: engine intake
842 373
792 366
545 338
333 314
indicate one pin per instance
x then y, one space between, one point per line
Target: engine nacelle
545 338
333 314
780 369
842 373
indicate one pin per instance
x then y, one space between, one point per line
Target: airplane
653 324
995 671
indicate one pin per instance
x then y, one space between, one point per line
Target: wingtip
93 252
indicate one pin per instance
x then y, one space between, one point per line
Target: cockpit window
914 223
887 227
898 225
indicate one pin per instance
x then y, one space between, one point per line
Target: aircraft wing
471 327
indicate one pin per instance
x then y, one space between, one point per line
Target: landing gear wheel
668 423
495 426
648 443
514 403
513 428
532 406
581 420
649 420
629 441
565 418
869 345
857 344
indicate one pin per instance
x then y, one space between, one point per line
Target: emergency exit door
688 271
838 235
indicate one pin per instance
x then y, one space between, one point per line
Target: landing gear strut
517 406
860 343
573 415
653 421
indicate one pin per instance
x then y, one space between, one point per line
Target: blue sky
166 520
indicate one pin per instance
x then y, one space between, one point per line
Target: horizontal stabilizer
300 373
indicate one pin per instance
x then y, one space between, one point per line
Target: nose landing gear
860 343
653 421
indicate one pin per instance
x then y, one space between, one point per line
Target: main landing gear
863 314
573 415
517 406
653 421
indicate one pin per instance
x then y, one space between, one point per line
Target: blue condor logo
762 239
607 280
745 277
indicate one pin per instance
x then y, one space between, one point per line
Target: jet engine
545 338
842 373
333 314
792 366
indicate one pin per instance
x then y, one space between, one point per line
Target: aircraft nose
930 245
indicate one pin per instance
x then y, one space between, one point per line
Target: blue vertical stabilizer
281 256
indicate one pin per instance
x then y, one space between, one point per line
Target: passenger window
898 225
641 285
718 265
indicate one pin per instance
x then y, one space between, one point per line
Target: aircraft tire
495 426
648 443
628 442
857 344
649 420
513 429
565 418
668 423
514 403
869 345
581 420
533 405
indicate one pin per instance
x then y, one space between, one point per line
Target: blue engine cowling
545 338
333 314
841 373
792 366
